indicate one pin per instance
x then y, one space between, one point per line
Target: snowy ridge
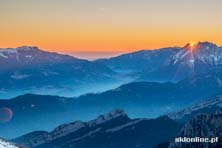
5 144
203 105
204 51
7 52
19 49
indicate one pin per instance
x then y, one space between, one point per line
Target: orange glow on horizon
103 47
108 26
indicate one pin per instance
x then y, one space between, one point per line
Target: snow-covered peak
5 144
206 45
200 46
15 52
19 49
27 48
202 52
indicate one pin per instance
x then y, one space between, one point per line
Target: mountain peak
206 45
9 52
27 48
19 49
113 114
200 45
203 52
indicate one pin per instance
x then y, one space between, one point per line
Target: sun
192 44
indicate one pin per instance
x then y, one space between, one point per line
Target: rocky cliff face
202 126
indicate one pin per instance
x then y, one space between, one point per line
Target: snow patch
2 55
5 144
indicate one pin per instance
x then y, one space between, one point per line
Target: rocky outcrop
202 126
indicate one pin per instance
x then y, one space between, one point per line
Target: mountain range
112 130
140 60
169 64
138 99
32 70
29 69
116 129
146 84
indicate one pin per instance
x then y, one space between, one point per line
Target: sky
108 26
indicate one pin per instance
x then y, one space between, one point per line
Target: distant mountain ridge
140 60
169 64
30 69
61 74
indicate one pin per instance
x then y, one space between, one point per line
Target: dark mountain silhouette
202 126
111 130
107 130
